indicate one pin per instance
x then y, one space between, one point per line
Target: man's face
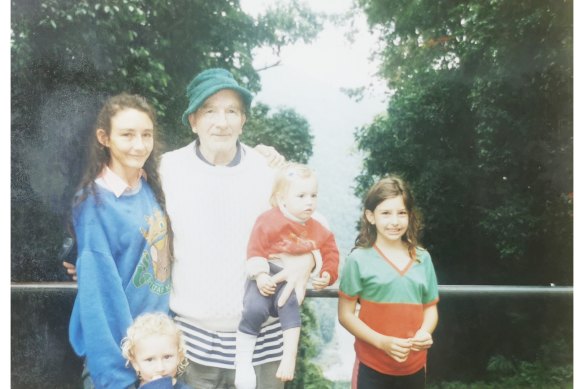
218 123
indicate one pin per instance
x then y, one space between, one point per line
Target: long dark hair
388 188
99 156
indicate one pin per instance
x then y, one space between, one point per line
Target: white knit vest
212 210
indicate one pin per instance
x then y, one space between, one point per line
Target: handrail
444 290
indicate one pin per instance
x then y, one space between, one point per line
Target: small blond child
155 348
290 227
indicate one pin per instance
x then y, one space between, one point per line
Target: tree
285 130
480 122
308 375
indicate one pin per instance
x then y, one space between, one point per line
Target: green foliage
289 22
327 319
480 123
549 370
308 375
285 130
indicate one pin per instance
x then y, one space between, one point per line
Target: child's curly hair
154 324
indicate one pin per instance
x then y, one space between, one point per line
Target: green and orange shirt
392 302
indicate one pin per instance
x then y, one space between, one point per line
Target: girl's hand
397 348
266 285
322 281
71 270
271 155
422 340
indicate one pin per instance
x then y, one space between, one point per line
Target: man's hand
71 270
321 282
296 274
274 158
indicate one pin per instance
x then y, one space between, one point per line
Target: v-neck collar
401 272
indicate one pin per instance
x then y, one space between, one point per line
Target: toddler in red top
290 227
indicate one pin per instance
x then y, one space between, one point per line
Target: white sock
244 372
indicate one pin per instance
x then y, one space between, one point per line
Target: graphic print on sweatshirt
295 243
154 267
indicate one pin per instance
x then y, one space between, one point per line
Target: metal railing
444 290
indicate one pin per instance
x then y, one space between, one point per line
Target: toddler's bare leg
288 363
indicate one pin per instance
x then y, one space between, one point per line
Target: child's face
391 219
156 356
300 198
130 141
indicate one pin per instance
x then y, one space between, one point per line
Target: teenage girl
122 234
393 280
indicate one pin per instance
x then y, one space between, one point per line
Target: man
215 188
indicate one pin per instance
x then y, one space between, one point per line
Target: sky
309 73
309 80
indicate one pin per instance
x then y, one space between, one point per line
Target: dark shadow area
41 355
475 332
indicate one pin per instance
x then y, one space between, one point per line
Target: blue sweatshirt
123 270
164 383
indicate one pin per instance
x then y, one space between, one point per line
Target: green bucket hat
206 84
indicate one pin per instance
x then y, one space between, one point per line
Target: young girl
121 229
393 280
155 348
289 227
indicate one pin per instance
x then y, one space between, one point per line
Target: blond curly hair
154 324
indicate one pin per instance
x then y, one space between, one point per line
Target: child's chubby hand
422 340
266 285
322 281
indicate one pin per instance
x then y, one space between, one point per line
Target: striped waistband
212 348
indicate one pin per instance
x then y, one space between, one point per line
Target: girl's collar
114 183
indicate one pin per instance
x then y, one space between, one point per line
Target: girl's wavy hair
388 188
156 323
285 176
99 156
